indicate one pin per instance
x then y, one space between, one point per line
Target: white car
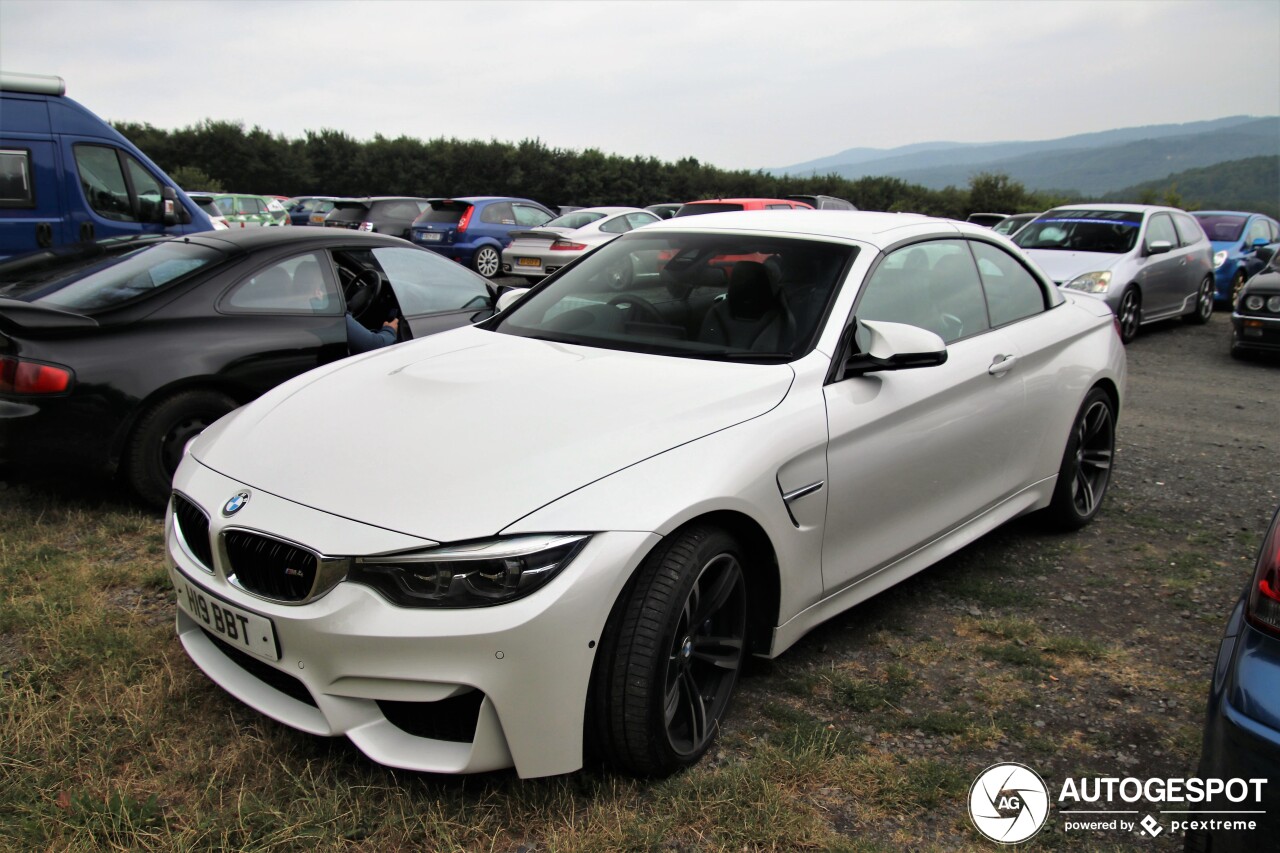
541 251
567 525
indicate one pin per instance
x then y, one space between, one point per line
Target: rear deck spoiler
537 235
28 316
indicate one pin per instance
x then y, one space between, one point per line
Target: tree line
223 156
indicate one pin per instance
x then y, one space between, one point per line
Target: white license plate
430 237
246 631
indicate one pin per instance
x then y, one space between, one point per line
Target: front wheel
487 261
161 435
1130 314
1086 464
670 656
1204 304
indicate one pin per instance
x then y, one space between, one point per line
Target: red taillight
1263 607
566 246
466 219
18 376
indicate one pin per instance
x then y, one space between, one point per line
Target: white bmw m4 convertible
558 533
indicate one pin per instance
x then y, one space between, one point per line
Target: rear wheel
1086 464
1130 314
1204 304
670 655
487 261
161 434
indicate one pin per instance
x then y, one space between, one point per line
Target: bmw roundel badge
237 502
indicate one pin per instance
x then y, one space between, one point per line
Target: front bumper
1249 332
438 690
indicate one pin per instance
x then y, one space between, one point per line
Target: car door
915 453
434 294
1168 278
289 319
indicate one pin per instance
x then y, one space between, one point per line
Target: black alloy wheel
161 436
670 657
1086 465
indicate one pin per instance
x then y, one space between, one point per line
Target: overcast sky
734 84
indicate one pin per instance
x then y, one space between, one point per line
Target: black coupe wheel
1130 314
670 657
156 446
487 261
1086 464
1204 304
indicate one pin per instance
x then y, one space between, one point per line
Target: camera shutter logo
1008 803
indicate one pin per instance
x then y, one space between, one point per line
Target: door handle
1002 364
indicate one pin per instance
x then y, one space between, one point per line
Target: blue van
66 176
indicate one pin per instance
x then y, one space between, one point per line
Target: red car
724 205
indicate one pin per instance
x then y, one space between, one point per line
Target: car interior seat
751 316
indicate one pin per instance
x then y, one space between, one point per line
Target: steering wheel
362 290
638 309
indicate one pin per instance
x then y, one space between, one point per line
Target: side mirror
170 206
1258 243
1159 247
509 298
890 346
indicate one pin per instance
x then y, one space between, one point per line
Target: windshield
109 282
1110 231
716 295
574 220
1222 227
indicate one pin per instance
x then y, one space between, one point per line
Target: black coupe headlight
478 574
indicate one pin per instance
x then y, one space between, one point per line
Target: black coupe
114 355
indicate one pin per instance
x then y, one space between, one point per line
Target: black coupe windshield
708 295
109 281
1110 231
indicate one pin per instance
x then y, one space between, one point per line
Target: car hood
458 435
1063 266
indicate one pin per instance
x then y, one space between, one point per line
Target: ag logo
237 502
1008 803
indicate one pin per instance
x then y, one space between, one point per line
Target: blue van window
103 182
147 190
15 179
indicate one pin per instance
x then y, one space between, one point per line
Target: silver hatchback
1147 262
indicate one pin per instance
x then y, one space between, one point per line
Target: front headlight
1219 258
1091 282
1273 305
477 574
1254 302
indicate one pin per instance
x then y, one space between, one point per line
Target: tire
1203 309
487 261
1085 471
161 434
1130 313
1237 285
670 655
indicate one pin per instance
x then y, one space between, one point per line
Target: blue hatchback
475 230
1242 732
1237 236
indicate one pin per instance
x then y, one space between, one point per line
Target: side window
530 216
617 225
103 182
930 285
638 219
425 283
16 189
498 213
1161 228
1189 229
1012 291
147 189
299 285
1258 230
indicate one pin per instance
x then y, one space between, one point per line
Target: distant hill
1091 164
1249 184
